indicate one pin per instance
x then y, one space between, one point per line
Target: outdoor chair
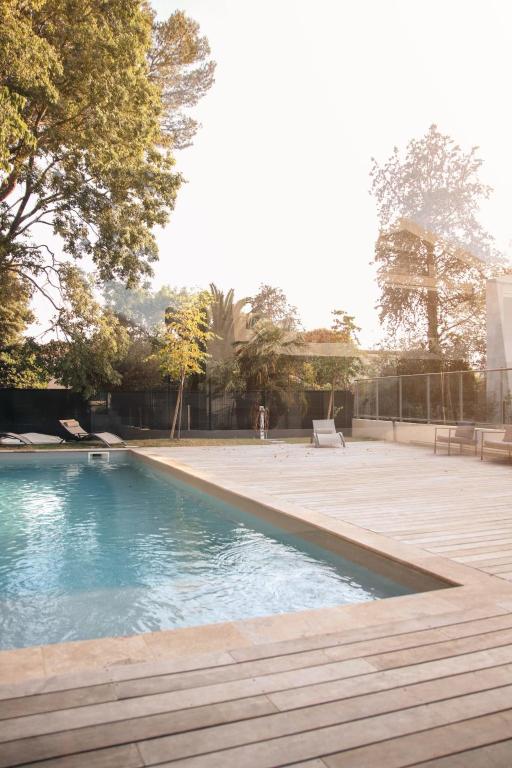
28 438
325 434
461 435
505 444
78 433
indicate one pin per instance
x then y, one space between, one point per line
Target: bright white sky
305 94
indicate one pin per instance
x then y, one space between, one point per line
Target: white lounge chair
505 444
29 438
325 434
75 430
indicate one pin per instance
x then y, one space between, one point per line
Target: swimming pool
96 549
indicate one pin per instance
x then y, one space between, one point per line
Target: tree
180 64
21 363
183 344
23 366
142 309
15 314
272 305
334 372
228 323
433 255
90 340
266 360
90 95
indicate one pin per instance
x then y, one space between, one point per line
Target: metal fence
480 396
39 410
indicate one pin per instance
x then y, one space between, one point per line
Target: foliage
91 94
270 304
334 372
23 366
15 314
433 255
140 308
180 65
228 323
137 368
182 348
92 340
141 312
266 360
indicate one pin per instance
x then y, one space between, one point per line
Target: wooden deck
434 690
457 506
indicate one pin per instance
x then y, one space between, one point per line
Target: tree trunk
331 398
177 407
182 387
432 302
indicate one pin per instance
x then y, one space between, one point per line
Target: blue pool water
101 549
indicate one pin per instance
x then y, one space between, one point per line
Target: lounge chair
505 444
325 434
462 434
28 438
75 430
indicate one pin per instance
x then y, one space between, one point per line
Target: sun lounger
505 444
75 430
325 434
460 435
28 438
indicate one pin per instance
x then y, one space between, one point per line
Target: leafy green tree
141 311
91 95
15 314
270 304
21 362
433 255
183 344
91 340
266 361
23 366
334 372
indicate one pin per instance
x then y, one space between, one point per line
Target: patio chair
78 433
325 434
505 444
28 438
462 434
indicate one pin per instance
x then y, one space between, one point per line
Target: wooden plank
106 734
391 678
328 653
310 744
492 756
305 720
434 743
118 757
34 725
48 702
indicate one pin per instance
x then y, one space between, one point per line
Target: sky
305 94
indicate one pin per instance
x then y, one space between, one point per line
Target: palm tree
228 322
263 359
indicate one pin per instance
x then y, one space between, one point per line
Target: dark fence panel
39 410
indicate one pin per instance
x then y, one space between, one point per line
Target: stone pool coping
452 586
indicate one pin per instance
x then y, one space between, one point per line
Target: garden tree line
181 337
